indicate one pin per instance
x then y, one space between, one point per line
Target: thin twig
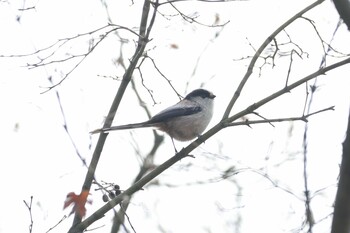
29 207
302 118
193 19
258 53
65 126
145 31
59 222
79 62
308 212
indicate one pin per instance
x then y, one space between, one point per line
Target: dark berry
111 195
105 198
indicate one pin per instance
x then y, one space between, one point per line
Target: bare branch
146 166
185 151
302 118
84 56
29 207
134 188
309 100
166 79
285 90
192 19
223 123
142 42
60 42
274 183
65 126
59 222
258 53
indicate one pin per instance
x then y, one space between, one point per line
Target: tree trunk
341 216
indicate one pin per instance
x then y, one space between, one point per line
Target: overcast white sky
38 158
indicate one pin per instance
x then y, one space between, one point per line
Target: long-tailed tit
183 121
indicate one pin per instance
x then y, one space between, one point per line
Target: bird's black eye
200 93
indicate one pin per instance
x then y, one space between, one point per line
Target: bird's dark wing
172 112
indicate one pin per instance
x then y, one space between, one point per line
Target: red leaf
174 46
78 201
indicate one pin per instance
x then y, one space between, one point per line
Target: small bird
183 121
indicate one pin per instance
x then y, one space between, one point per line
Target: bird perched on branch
183 121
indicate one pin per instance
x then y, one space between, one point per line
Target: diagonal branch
225 122
285 90
258 53
134 188
142 42
185 151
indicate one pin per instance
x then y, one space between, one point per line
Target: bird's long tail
121 127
